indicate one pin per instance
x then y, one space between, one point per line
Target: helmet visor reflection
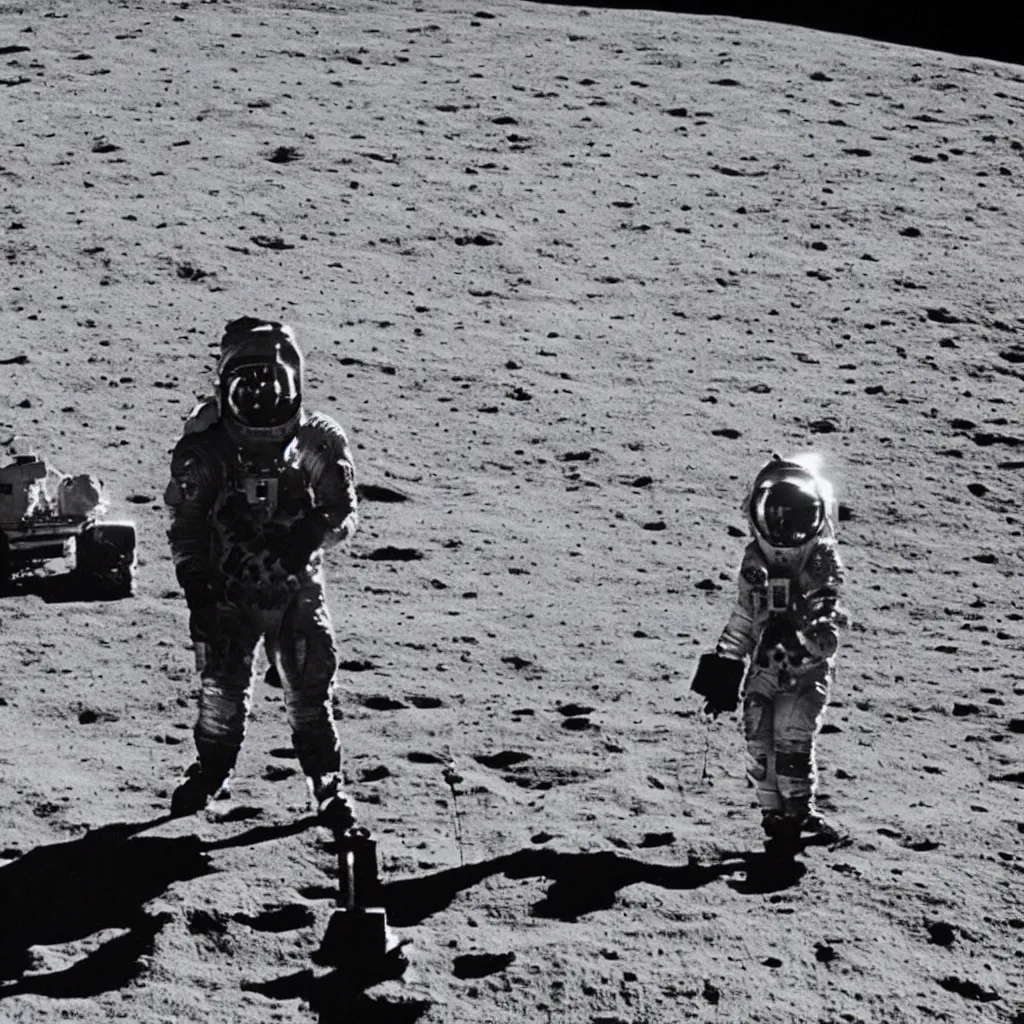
787 514
262 394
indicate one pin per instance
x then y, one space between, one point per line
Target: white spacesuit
258 487
786 621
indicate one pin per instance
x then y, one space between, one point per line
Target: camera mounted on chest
259 480
270 483
771 593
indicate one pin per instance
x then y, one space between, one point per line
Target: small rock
962 709
516 662
941 934
654 839
421 757
356 665
378 492
269 242
570 710
284 155
711 993
502 759
480 965
578 724
426 703
389 553
968 989
384 703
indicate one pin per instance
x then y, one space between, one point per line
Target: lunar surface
567 277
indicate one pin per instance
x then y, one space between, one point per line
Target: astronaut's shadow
53 587
582 883
65 892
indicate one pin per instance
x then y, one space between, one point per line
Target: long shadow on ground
584 882
55 588
68 891
581 883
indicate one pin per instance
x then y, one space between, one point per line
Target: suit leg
798 716
226 692
304 653
758 727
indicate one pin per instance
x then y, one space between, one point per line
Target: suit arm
825 614
738 637
326 458
190 495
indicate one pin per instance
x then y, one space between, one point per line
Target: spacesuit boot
820 831
777 825
196 790
204 779
333 808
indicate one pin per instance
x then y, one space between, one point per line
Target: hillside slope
567 277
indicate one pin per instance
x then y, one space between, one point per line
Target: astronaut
785 629
259 486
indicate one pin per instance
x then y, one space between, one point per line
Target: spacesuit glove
202 623
820 639
306 535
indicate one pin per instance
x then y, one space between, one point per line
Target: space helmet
260 382
788 507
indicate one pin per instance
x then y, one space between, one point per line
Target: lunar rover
45 515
